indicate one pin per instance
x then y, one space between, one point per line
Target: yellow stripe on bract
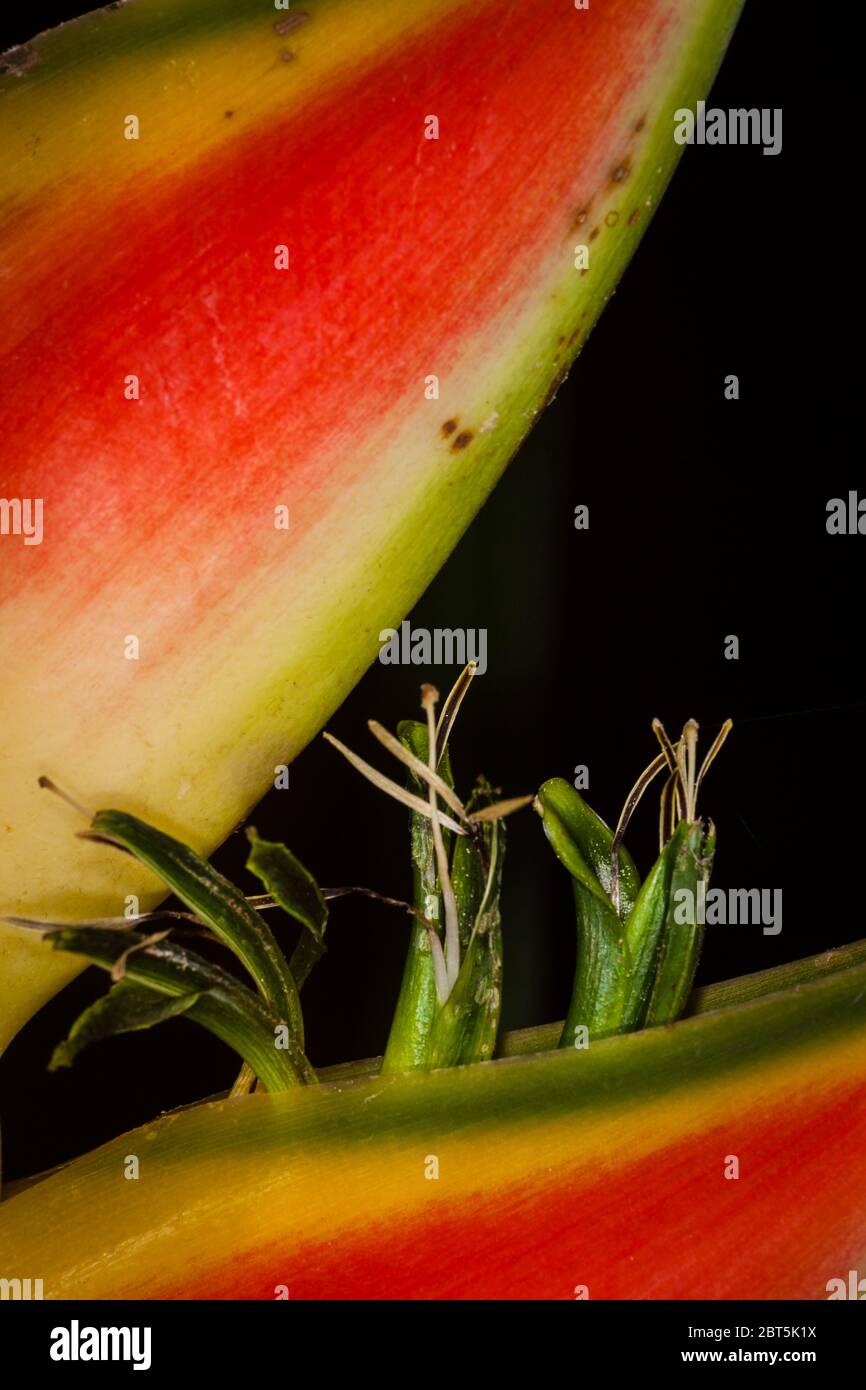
63 113
202 1210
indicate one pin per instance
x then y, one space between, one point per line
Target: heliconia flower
637 944
281 294
718 1157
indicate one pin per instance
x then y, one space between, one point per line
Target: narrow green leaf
289 882
599 974
583 843
644 931
126 1008
682 940
297 892
228 1009
217 902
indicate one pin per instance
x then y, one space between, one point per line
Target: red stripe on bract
669 1226
255 379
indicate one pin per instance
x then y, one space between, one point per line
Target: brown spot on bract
292 21
229 114
554 386
581 217
463 438
593 234
449 427
287 56
633 216
620 173
639 125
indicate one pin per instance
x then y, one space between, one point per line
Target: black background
707 518
659 1331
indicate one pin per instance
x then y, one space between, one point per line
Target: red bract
266 347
